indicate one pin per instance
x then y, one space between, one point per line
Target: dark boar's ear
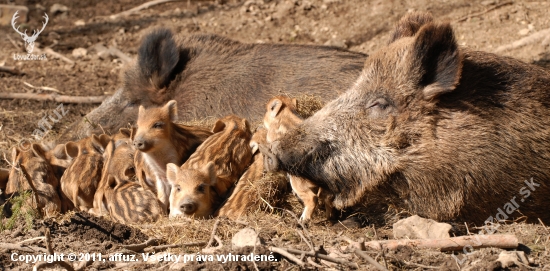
438 59
409 25
158 56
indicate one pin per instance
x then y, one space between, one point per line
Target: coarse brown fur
119 194
446 132
80 180
281 117
159 141
212 170
4 176
201 71
42 176
254 186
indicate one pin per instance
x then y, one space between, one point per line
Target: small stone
524 32
511 258
80 23
79 52
487 2
245 237
416 227
58 8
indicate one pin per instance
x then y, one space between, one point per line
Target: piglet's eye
201 188
380 103
178 188
158 125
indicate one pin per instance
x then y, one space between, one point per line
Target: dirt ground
358 25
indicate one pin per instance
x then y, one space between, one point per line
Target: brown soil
355 24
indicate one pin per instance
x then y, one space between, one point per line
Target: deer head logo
29 41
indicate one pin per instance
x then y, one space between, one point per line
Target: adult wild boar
212 76
448 133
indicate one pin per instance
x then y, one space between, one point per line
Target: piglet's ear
14 153
409 25
274 107
125 132
435 53
172 108
38 151
133 133
171 172
71 148
254 147
141 112
210 170
218 127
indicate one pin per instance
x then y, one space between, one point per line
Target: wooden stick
450 244
49 241
32 239
213 234
118 53
140 247
524 41
157 248
421 265
53 53
10 69
286 254
483 12
140 7
368 258
55 98
42 88
31 184
323 257
28 249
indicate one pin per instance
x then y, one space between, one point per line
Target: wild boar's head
359 141
145 83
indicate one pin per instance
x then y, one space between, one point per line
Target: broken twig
10 69
322 257
140 247
55 54
449 244
286 254
31 185
162 247
41 88
140 7
55 98
483 12
28 249
524 41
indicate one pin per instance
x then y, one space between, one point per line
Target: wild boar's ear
158 55
141 112
171 172
219 126
246 125
274 107
100 142
254 147
210 170
172 108
14 153
71 148
436 53
294 103
133 133
125 132
38 151
409 25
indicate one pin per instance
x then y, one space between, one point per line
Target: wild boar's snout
139 144
188 207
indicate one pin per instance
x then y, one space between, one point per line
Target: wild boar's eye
201 188
380 103
158 125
